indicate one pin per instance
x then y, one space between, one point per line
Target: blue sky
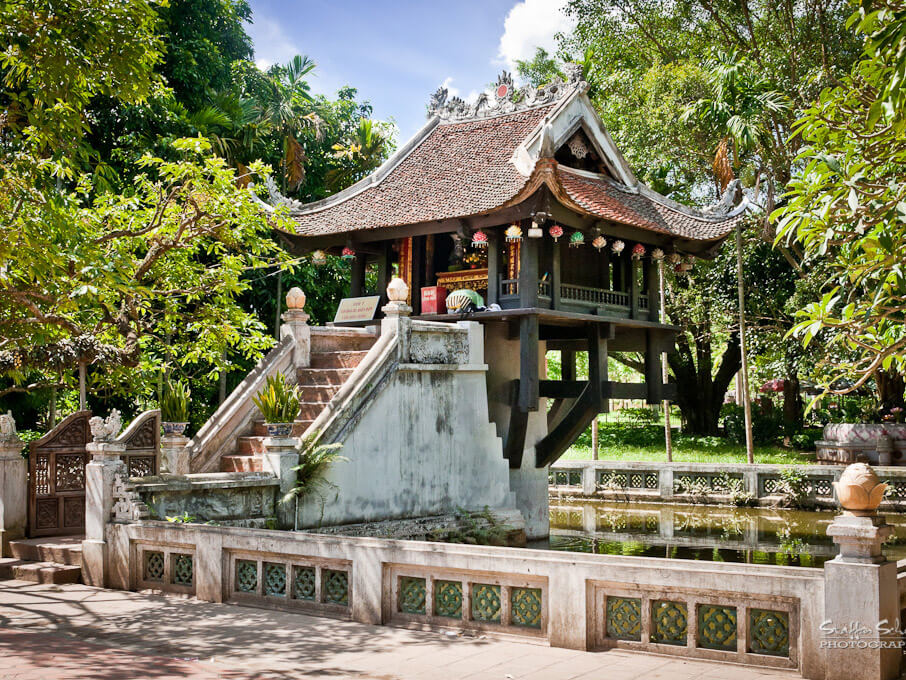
398 52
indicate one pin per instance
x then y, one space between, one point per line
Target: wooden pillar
430 278
597 362
555 275
567 364
654 293
528 363
418 273
357 281
653 370
634 289
493 266
528 273
385 270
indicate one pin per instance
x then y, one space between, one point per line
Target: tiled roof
459 169
607 200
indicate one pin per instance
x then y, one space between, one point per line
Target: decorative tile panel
624 618
526 607
70 472
335 586
669 622
246 576
717 627
181 569
769 632
304 583
154 565
274 579
448 599
485 602
412 594
651 481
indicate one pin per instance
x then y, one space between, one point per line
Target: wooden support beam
385 270
555 276
418 273
514 443
528 273
653 369
571 389
634 289
493 266
357 282
654 293
568 364
528 363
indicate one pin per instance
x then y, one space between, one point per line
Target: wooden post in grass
747 406
594 439
668 430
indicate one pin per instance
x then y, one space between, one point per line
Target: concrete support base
105 465
280 457
13 493
174 455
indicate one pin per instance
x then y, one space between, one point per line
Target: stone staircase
334 356
44 560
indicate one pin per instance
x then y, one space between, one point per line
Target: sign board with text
357 309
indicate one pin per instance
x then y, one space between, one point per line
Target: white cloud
272 44
531 24
453 91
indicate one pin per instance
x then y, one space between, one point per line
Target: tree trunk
792 405
891 388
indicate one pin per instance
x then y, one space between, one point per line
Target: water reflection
698 532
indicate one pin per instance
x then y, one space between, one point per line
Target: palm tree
361 153
287 112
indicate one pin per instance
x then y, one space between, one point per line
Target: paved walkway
68 632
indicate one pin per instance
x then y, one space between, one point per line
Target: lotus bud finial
859 490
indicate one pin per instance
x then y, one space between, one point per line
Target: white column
281 455
174 454
13 491
99 476
295 325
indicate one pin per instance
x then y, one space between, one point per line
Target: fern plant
174 402
278 401
311 473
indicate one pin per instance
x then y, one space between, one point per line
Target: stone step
336 359
341 342
65 550
235 463
319 392
310 410
39 572
323 376
259 429
249 446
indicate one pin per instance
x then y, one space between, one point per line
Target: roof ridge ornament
730 199
276 198
505 97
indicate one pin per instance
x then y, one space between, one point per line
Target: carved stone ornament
397 290
295 298
859 490
106 430
276 198
8 427
505 97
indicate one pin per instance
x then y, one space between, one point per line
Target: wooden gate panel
56 480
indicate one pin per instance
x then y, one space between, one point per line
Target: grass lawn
627 443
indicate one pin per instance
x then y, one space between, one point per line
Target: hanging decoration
617 247
638 251
555 231
599 243
576 239
514 233
535 231
319 257
674 258
479 239
348 253
657 254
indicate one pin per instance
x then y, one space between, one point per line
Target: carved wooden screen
142 440
56 480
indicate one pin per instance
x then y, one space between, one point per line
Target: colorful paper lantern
480 239
638 251
576 239
617 247
657 254
599 242
555 231
319 257
348 254
514 233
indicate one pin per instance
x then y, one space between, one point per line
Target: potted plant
174 407
278 402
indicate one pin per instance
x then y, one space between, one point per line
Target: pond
701 532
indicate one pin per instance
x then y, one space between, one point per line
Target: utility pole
668 429
746 404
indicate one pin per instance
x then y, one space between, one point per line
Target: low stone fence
708 483
753 614
232 498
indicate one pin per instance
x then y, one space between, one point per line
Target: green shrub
805 440
278 401
766 427
174 402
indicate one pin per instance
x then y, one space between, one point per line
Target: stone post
174 454
861 600
397 309
295 325
13 485
281 455
885 450
100 473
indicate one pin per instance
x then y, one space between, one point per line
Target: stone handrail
237 412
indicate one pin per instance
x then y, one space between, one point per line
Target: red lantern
348 254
